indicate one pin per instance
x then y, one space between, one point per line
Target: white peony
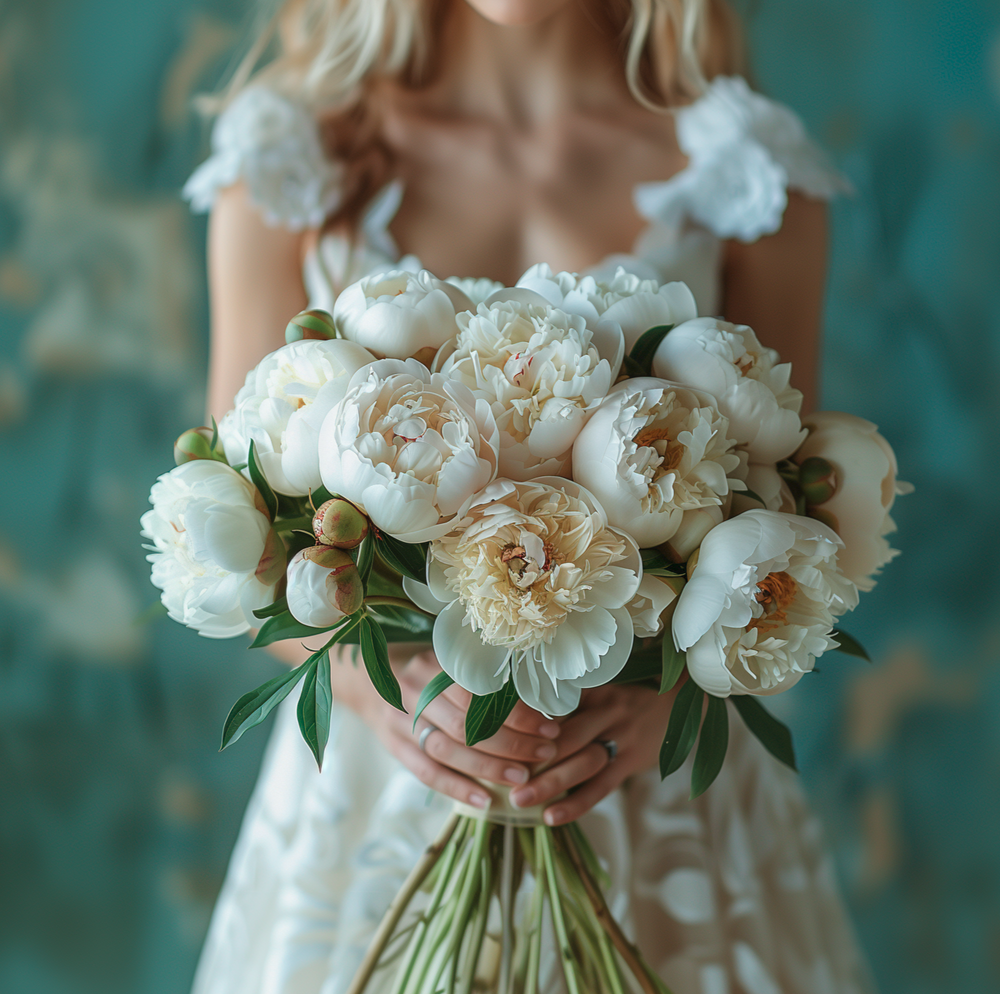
409 447
634 304
477 289
398 314
214 554
532 587
865 488
761 603
541 370
746 379
652 453
282 405
652 598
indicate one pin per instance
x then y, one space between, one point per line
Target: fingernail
515 775
522 798
479 800
550 729
552 816
547 751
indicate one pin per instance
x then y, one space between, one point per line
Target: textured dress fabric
732 893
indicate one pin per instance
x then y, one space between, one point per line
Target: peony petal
462 654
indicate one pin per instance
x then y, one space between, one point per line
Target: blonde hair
331 52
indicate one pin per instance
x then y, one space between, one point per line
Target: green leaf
712 746
753 495
406 559
280 606
674 661
366 558
284 626
438 685
215 436
270 501
375 653
654 561
314 707
849 645
320 496
682 728
486 714
251 709
644 664
774 736
640 358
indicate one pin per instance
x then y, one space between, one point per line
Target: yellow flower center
775 594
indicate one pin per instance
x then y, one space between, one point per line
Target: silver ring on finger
422 741
610 747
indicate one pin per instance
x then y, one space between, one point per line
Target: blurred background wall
116 812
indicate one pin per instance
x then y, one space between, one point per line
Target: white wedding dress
730 894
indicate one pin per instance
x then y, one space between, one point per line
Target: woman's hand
634 717
446 763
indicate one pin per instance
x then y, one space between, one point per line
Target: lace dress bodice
729 894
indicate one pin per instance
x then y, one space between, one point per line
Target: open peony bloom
634 304
652 598
409 447
533 586
864 490
654 452
761 603
214 554
541 370
398 314
282 405
746 379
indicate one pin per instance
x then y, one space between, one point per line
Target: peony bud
343 592
271 567
196 443
316 323
340 524
817 480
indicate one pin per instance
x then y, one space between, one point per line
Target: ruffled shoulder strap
273 144
744 153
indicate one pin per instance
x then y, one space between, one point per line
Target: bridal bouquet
560 484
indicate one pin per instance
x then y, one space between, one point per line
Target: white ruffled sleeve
273 145
744 153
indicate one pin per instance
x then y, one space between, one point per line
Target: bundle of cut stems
452 929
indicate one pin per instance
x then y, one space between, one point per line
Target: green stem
377 599
474 947
544 842
534 922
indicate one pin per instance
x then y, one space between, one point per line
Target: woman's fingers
439 777
582 800
581 766
474 762
584 727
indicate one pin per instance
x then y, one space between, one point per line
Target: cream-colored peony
399 314
747 380
214 553
653 452
409 447
864 490
534 587
761 603
282 405
634 304
541 370
477 289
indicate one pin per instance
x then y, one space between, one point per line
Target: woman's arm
776 286
255 282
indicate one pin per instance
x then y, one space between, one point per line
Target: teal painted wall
116 812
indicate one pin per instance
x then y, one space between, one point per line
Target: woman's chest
481 201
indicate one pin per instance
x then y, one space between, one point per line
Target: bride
474 138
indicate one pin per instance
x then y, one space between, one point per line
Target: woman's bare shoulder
255 281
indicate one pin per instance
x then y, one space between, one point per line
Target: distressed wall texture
116 812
